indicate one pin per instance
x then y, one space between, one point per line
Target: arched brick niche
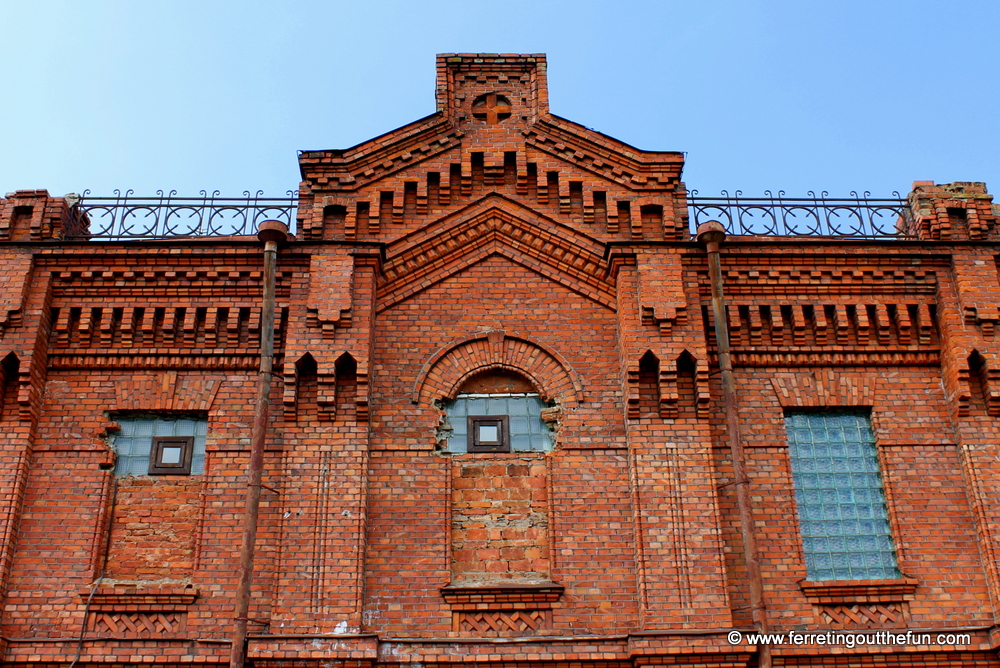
446 372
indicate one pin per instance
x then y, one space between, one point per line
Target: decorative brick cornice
217 335
151 360
362 165
161 282
604 156
820 358
821 278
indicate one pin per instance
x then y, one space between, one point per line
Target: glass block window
523 411
134 442
840 498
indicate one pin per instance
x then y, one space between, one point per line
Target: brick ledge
859 591
136 597
507 595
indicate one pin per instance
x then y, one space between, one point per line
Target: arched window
497 411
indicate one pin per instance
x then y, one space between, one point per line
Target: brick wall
490 247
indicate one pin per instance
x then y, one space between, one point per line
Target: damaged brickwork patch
500 519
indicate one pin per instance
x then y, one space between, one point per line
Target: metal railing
167 216
859 216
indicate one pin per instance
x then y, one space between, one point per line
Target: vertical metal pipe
712 234
271 232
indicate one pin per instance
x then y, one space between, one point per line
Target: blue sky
793 95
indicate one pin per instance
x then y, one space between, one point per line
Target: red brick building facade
497 432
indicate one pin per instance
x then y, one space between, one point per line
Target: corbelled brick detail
32 215
951 211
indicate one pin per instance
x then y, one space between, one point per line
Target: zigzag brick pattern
137 624
874 616
500 623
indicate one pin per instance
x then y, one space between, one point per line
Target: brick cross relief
492 108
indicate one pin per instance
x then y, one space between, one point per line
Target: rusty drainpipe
712 234
271 232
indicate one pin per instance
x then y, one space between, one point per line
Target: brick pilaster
672 473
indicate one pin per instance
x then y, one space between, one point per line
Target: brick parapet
952 211
33 215
430 169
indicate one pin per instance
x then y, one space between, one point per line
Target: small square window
488 433
171 455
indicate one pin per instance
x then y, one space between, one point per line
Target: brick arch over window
452 365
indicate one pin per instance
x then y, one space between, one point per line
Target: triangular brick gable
492 132
495 226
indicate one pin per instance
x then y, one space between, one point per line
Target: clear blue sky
793 95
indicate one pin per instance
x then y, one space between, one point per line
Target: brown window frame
502 445
156 465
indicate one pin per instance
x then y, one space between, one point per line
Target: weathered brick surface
153 529
490 246
499 519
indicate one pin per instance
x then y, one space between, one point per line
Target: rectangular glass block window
527 431
134 442
840 498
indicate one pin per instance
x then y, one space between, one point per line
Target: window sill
137 596
492 596
859 591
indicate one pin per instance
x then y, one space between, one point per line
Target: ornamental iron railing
167 216
859 216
